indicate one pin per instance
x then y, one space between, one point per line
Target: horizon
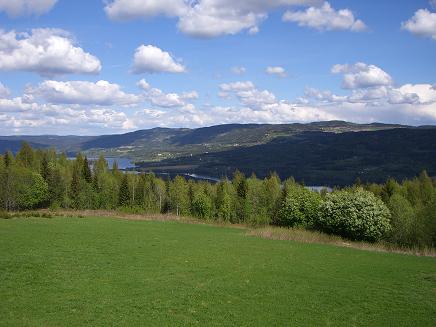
211 126
88 68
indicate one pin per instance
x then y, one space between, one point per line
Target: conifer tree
241 187
75 187
44 166
8 159
86 171
124 193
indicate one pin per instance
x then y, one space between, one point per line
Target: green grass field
113 272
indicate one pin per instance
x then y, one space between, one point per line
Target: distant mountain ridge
212 138
320 153
319 158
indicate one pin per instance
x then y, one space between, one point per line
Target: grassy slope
103 272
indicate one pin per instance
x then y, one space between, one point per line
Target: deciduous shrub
355 214
299 207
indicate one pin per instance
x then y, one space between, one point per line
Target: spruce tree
124 193
75 187
8 159
44 167
86 171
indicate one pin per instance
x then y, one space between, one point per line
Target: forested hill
319 158
158 143
322 153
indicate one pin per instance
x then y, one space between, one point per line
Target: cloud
325 18
131 9
158 98
237 86
321 96
4 91
249 95
151 59
361 75
277 70
18 104
143 84
168 100
45 51
238 70
425 92
101 93
423 23
418 94
376 99
16 8
263 106
254 106
206 20
19 116
203 18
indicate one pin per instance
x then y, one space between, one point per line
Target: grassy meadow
113 272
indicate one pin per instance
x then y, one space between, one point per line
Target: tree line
402 213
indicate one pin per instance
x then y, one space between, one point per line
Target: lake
123 163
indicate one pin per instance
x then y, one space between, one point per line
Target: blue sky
74 67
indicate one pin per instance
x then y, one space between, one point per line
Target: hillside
321 153
320 158
162 143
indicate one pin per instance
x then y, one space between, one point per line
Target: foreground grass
100 272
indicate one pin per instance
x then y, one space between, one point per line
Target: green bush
355 214
30 189
299 207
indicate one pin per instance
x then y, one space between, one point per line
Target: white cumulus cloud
262 106
45 51
375 98
16 8
131 9
425 92
276 70
203 18
101 93
423 23
151 59
161 99
325 18
361 75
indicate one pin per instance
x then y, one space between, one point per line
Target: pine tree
241 186
75 187
86 171
100 165
124 193
8 159
44 167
